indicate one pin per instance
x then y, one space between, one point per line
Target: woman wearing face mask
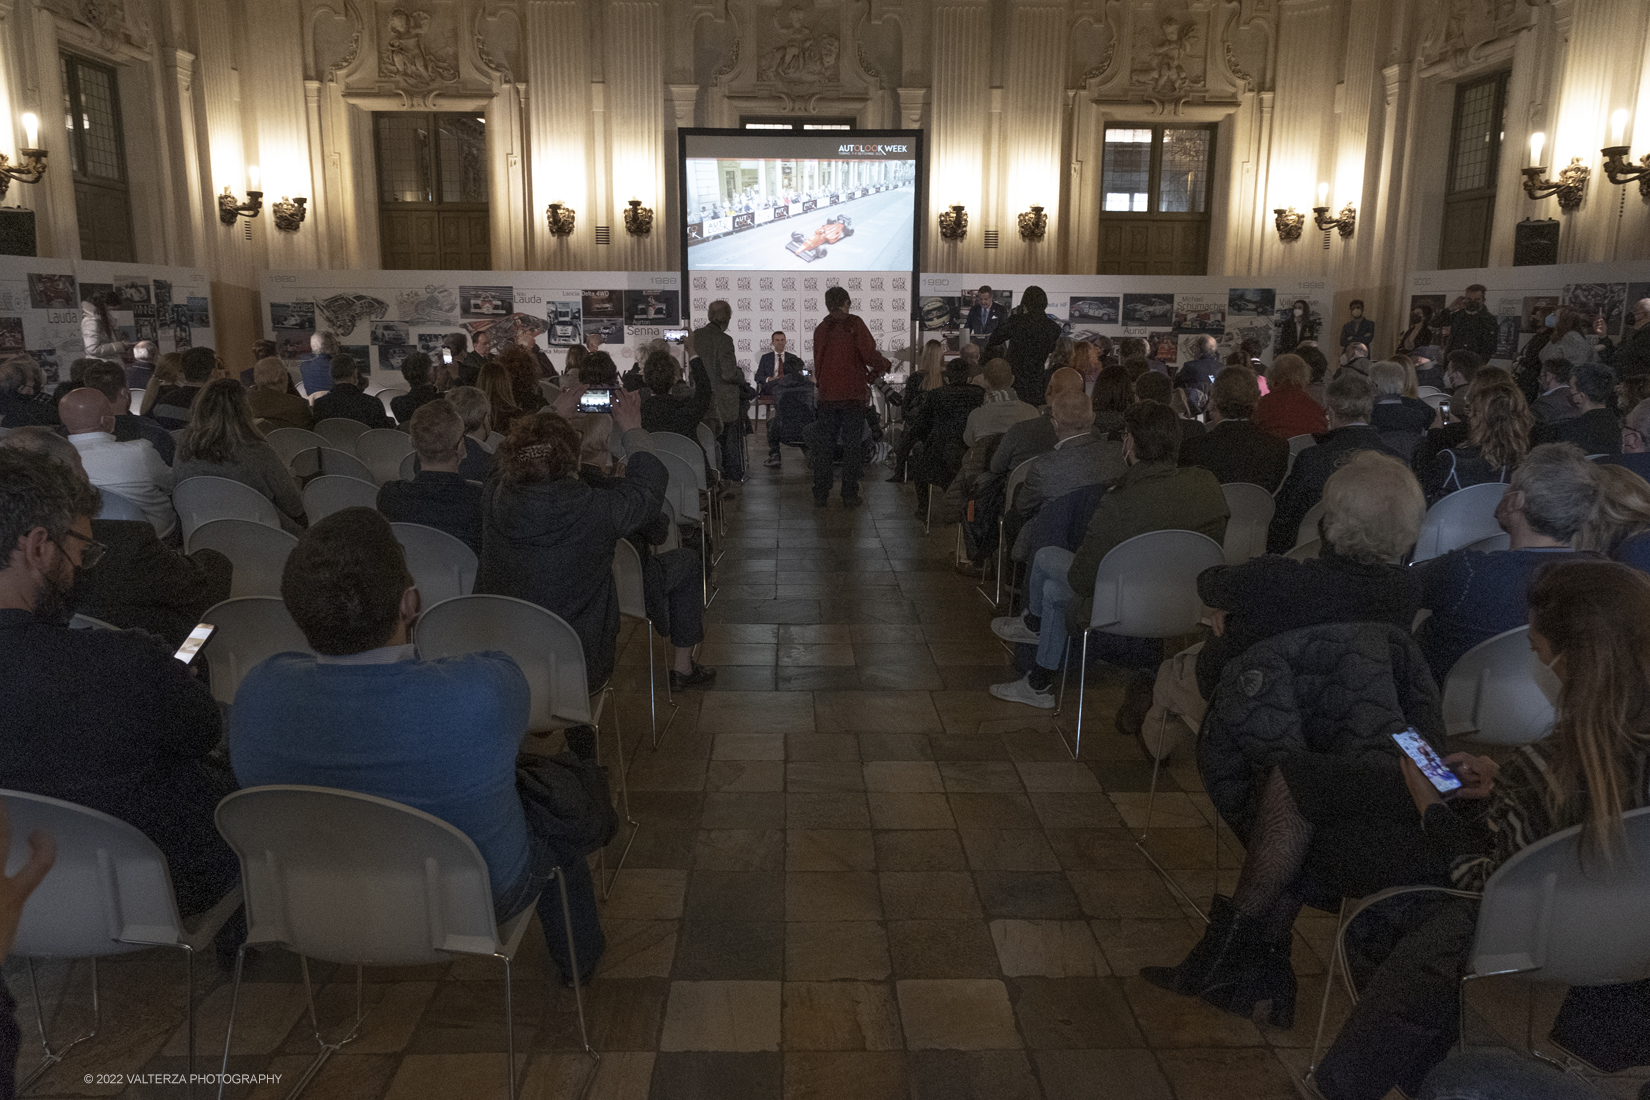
1419 333
1297 326
1590 625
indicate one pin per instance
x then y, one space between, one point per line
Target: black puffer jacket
1339 689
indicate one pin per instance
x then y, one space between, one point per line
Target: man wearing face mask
103 718
1471 326
1359 330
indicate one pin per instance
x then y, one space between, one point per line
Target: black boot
1234 968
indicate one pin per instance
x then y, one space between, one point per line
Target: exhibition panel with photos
1169 313
43 304
1522 298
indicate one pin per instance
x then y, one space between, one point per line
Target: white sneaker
1021 691
1012 628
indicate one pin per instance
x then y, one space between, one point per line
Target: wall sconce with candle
1033 224
1571 185
638 219
559 219
954 222
231 208
1346 221
1617 167
32 161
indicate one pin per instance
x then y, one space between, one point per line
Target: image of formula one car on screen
812 246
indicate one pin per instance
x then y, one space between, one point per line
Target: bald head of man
86 410
1641 310
1073 413
1064 380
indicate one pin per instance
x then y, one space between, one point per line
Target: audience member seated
316 367
672 584
494 381
1316 362
1111 396
368 715
168 372
664 412
1619 526
1197 375
548 537
1350 400
21 400
134 470
1079 457
1372 512
347 400
937 428
597 369
1590 624
416 369
76 379
173 402
523 371
795 407
1154 494
1635 440
103 718
471 404
438 495
221 442
1287 410
929 374
1554 403
1035 436
139 583
1235 449
1498 438
1002 408
465 365
109 379
269 398
1595 428
1473 594
1401 419
1148 385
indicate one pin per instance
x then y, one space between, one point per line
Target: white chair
108 893
330 460
1424 392
77 621
331 493
692 453
627 575
1306 551
341 432
1459 519
408 468
550 390
687 481
1251 510
248 631
353 879
1545 913
492 441
1299 443
385 396
548 652
258 553
1146 587
289 442
1308 530
116 506
1498 541
200 500
1016 478
1435 399
1500 693
441 565
383 449
712 451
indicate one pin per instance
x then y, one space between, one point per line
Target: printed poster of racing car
812 246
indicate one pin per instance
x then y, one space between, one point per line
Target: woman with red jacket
1287 409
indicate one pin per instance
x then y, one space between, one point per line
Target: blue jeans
1048 595
588 938
1502 1075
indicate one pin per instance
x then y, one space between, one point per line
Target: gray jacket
715 348
1079 462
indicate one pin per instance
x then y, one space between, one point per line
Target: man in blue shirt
367 715
317 365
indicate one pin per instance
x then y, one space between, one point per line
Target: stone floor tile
910 811
819 634
825 655
739 850
1047 949
1030 895
757 712
638 948
902 777
1075 810
726 949
834 810
745 776
829 950
876 712
971 1075
748 746
919 850
956 1014
830 850
717 1076
646 894
722 1016
1096 849
824 776
1008 850
979 777
451 1077
1073 1013
1067 775
742 895
1169 810
1221 1074
928 895
894 746
821 746
993 811
1101 1075
728 654
1176 1021
620 1075
837 1075
1111 894
841 896
1130 944
740 810
841 1016
942 949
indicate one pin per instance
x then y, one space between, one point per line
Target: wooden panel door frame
1152 217
1478 203
463 258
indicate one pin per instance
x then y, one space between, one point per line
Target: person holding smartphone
1590 625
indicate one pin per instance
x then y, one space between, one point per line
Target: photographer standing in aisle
846 359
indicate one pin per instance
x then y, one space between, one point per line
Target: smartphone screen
447 356
596 401
1443 409
192 644
675 335
1416 748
